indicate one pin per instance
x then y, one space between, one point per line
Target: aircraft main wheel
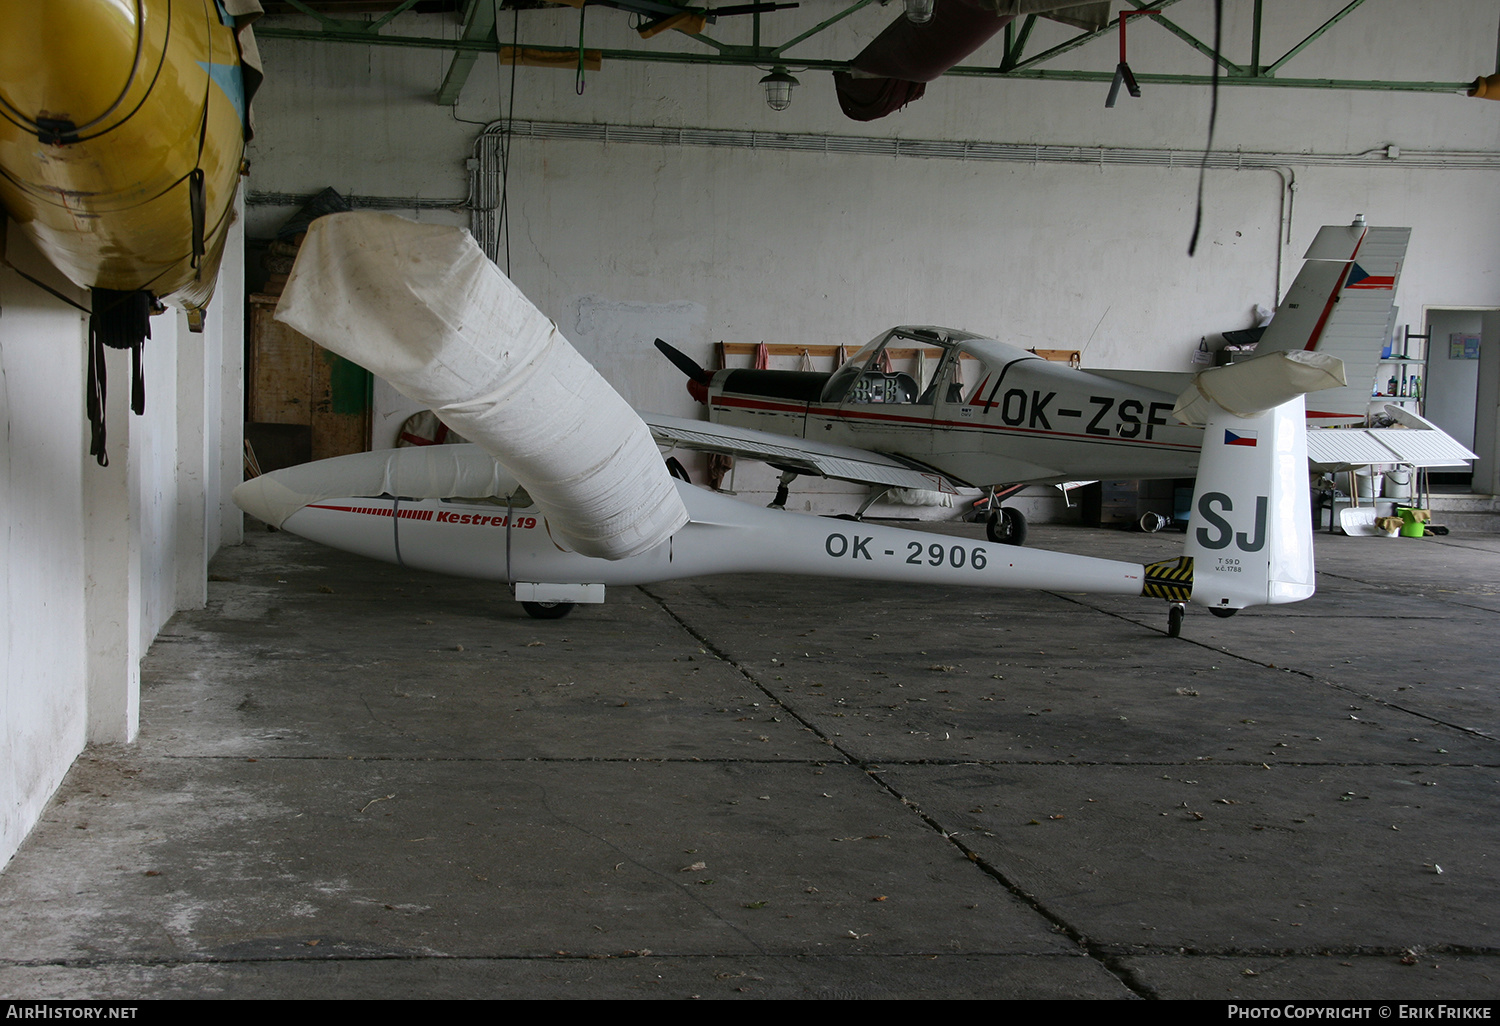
1006 526
677 470
1175 614
1222 614
547 610
1153 522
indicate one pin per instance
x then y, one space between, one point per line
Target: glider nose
268 499
276 495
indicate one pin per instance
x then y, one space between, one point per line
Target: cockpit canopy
869 377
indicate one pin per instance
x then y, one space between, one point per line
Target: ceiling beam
482 41
857 5
1190 39
1079 40
1312 36
1358 85
345 24
479 26
1015 42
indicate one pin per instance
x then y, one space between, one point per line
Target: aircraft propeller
685 363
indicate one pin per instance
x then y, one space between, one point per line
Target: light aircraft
565 494
991 415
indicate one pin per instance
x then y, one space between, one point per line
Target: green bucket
1411 527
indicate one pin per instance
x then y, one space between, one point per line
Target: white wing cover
423 307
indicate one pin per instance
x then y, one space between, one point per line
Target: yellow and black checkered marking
1171 579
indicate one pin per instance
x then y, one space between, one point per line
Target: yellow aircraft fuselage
122 138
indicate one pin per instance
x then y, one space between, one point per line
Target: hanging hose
578 76
1213 115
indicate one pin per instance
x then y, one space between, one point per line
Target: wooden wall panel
292 380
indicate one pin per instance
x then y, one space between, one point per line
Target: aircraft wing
1417 443
840 462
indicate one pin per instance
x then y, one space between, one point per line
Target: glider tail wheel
1007 525
547 610
1175 612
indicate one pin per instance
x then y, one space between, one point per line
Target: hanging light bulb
919 12
778 88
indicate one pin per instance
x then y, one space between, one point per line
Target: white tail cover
423 307
1249 388
1250 532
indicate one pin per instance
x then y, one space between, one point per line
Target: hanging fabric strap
94 398
198 208
197 190
120 320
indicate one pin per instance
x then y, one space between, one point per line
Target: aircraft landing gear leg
783 489
547 610
1175 612
1007 525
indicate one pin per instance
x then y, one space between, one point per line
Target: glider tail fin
1250 534
1249 537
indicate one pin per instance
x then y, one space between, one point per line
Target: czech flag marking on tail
1239 437
1359 278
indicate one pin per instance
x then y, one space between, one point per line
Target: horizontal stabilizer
1417 443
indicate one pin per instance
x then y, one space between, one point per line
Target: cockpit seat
877 387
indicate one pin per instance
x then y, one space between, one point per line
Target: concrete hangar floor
358 781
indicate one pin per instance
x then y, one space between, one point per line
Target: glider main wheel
1175 614
1222 614
547 610
1007 526
677 470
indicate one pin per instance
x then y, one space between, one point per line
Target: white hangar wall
621 241
93 560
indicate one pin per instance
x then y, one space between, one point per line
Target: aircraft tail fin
1250 533
1342 304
